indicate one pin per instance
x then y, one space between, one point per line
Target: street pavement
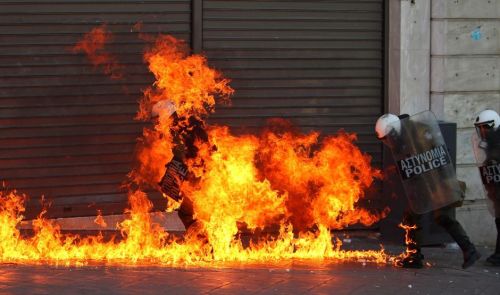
443 275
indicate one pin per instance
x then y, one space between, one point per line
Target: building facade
68 133
450 64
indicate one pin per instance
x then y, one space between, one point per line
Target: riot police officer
487 151
185 131
429 180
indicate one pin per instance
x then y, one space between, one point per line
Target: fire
93 45
146 243
99 220
188 82
233 190
184 79
323 184
409 242
285 190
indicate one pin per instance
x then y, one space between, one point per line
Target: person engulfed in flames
184 94
185 132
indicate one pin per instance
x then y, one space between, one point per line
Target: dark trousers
186 212
494 196
497 223
444 217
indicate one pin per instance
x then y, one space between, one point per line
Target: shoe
470 257
413 261
494 259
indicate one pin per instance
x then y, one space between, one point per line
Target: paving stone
444 277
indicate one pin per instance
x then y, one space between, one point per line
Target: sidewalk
444 276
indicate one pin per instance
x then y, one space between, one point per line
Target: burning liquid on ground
296 183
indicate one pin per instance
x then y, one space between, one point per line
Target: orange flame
183 79
324 180
99 220
146 243
409 242
93 45
298 184
187 82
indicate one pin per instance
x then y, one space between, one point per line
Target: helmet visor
484 128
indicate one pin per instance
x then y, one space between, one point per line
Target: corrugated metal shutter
66 130
318 63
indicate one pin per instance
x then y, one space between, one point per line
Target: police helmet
386 123
164 108
486 120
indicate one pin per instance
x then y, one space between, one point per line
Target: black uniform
493 190
186 132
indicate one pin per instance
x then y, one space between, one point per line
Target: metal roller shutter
318 63
66 129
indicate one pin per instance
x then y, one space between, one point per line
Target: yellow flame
99 220
409 242
296 183
146 243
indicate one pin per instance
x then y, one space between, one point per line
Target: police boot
494 259
471 255
455 229
414 260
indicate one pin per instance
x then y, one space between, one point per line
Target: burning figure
186 134
184 94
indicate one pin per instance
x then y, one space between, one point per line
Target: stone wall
465 79
415 56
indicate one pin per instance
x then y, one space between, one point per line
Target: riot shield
488 163
424 163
